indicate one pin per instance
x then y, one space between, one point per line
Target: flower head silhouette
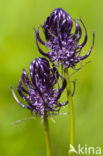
63 44
40 92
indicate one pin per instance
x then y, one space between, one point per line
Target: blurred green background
18 49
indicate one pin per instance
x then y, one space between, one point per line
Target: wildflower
39 92
63 44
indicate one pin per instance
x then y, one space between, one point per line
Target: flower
39 92
63 44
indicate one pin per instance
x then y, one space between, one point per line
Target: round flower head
63 44
39 92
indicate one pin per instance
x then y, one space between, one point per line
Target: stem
47 137
71 111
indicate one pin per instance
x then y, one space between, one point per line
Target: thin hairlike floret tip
64 45
39 92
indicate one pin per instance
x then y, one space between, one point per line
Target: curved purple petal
85 56
15 97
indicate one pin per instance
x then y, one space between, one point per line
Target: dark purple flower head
39 92
63 43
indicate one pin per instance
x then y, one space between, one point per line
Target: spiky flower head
64 45
39 91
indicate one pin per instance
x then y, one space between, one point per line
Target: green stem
47 137
71 111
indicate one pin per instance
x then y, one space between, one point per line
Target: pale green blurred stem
71 110
47 137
